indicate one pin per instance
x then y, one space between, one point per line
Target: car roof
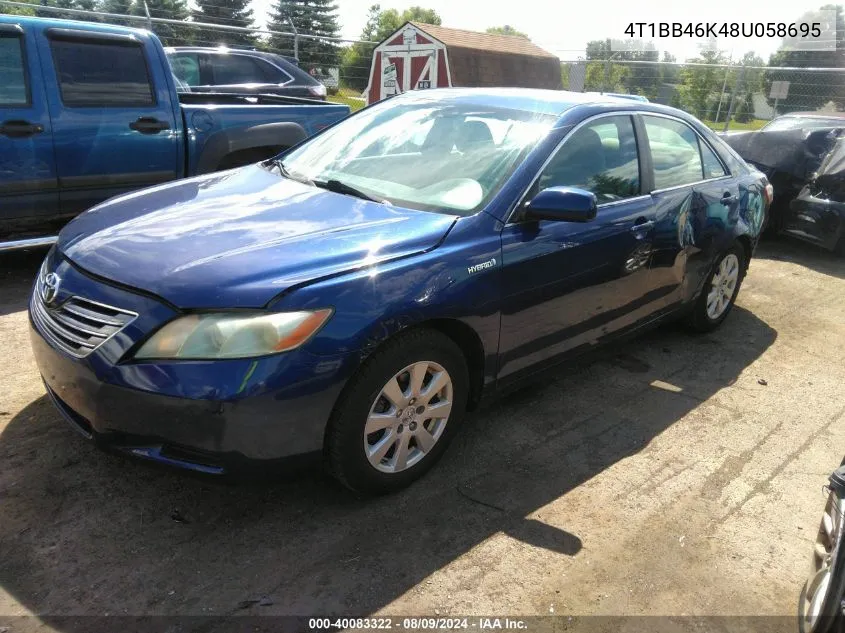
622 96
540 101
815 115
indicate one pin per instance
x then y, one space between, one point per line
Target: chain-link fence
725 95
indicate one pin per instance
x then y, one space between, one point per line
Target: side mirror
562 204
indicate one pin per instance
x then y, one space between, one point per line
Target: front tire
819 607
719 294
398 414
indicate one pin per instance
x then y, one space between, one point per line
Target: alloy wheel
723 286
408 417
825 550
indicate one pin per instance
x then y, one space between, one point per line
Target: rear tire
385 432
719 294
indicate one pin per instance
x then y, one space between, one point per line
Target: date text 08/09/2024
724 29
417 624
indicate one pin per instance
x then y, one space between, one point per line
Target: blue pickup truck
90 111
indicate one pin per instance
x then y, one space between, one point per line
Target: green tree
309 17
745 108
120 7
638 76
390 20
700 85
506 30
669 72
357 59
59 4
170 34
810 90
9 10
227 13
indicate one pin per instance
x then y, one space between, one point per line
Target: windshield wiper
277 162
341 187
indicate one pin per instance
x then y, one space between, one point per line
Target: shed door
409 70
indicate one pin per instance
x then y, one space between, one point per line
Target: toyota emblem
50 288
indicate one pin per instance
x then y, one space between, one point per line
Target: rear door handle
20 129
149 125
728 198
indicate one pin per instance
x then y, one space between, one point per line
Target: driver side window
600 157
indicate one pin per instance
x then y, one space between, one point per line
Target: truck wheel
719 293
398 414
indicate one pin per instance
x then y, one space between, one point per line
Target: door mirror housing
562 204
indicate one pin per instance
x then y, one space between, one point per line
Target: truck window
102 74
13 88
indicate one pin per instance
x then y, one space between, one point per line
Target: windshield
433 155
802 123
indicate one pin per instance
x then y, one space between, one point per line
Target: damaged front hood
241 237
797 153
829 181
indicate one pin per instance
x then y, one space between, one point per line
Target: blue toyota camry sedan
355 295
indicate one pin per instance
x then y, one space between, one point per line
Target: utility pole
724 83
295 37
733 97
149 19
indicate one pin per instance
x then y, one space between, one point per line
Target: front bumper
817 220
209 416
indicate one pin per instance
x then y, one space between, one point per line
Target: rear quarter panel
204 123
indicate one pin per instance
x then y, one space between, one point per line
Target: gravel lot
600 491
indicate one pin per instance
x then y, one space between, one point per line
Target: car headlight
232 335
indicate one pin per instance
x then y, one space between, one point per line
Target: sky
565 28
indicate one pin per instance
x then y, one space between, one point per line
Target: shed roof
493 42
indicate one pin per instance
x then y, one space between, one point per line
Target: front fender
444 284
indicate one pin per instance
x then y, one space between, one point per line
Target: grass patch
348 92
754 124
353 103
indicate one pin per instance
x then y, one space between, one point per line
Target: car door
695 198
114 127
28 183
568 285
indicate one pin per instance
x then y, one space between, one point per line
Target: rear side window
240 69
13 87
600 157
187 68
674 152
102 74
712 166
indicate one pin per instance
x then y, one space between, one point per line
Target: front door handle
149 125
20 129
642 225
728 199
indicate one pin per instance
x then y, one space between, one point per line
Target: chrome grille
78 326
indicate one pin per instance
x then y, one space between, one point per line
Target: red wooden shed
419 56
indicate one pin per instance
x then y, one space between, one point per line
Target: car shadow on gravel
17 272
85 532
788 249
